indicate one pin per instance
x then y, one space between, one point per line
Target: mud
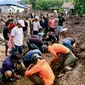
76 29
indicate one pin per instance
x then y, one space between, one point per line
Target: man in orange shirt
57 49
44 72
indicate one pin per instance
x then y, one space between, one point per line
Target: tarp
11 2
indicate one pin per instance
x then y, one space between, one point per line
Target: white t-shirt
28 28
36 26
17 33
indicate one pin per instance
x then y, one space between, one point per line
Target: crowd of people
39 34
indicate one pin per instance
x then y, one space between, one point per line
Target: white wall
17 8
6 9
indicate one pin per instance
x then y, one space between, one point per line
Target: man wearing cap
17 36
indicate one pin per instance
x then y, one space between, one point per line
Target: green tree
45 4
79 6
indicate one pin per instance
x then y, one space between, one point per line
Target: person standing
6 33
46 23
16 20
28 27
25 27
12 25
52 24
36 26
42 24
60 23
17 36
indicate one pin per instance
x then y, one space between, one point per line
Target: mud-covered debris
75 77
23 81
82 47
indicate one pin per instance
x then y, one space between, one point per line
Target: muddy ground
76 29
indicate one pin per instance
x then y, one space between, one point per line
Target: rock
82 54
82 47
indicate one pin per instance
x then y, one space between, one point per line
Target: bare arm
12 40
54 59
17 76
33 70
30 66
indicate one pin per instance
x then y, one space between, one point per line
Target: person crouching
40 73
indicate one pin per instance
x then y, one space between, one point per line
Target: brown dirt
76 30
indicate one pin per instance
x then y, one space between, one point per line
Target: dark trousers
35 32
36 79
52 30
6 48
18 49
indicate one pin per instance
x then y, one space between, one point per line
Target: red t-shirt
51 23
12 25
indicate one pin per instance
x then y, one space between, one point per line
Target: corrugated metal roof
11 2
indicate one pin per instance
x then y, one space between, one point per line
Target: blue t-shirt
8 65
67 42
30 53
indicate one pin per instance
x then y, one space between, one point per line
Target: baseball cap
36 17
34 57
21 22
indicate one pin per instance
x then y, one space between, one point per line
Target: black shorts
36 79
35 32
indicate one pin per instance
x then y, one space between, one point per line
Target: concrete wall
8 9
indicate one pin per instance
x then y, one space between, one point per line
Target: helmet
44 48
34 57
